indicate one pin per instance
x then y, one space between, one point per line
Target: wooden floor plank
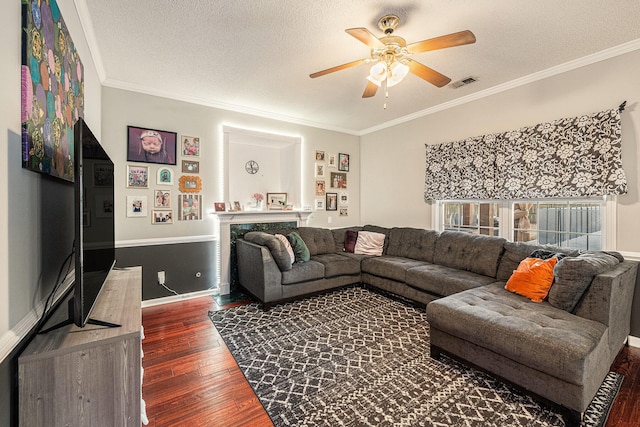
191 378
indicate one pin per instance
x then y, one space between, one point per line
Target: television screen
94 221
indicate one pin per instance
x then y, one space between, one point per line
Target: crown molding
90 37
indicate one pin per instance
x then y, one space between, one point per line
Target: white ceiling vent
463 82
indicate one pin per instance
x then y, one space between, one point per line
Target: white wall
393 159
123 107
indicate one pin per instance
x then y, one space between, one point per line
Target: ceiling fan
391 56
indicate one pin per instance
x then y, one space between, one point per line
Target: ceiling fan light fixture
378 73
397 72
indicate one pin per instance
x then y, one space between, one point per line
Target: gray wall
180 261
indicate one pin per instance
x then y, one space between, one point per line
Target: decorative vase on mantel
258 200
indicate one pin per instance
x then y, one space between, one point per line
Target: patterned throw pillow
287 246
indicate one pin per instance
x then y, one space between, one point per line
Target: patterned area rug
356 358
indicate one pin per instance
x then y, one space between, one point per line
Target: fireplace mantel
248 217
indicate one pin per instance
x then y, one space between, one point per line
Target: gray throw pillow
573 275
276 247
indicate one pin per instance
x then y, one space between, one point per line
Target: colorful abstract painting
52 90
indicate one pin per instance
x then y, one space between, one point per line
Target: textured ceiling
256 56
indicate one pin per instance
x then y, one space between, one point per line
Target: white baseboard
181 297
634 341
12 338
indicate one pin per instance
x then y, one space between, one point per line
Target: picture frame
343 200
343 162
338 180
319 156
52 91
276 201
164 176
319 170
189 207
102 174
332 201
321 187
104 206
162 199
147 145
235 206
220 206
331 162
190 184
161 217
136 206
344 211
190 146
190 166
319 204
137 176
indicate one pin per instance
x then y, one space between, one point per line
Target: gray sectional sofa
559 349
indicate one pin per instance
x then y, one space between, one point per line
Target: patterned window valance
574 157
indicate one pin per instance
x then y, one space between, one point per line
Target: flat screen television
94 250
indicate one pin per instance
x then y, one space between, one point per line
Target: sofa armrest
608 300
258 273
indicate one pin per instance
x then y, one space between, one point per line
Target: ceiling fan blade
450 40
370 90
337 68
366 37
428 74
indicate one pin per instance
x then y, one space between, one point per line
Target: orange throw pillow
533 278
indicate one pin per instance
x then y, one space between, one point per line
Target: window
576 224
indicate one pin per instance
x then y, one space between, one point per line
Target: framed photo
332 163
344 211
320 187
161 217
190 146
190 207
343 199
190 166
319 204
319 156
276 200
137 176
164 176
102 175
151 146
190 184
136 206
343 162
235 207
338 180
332 202
220 206
319 170
162 199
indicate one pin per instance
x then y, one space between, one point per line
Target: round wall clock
252 167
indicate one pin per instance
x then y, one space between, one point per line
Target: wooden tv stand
87 376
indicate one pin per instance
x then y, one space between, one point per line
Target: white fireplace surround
248 217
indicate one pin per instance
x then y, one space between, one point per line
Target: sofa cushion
337 264
472 252
536 335
303 272
574 275
299 247
369 243
515 252
390 267
533 278
412 243
381 230
277 249
442 281
287 246
318 240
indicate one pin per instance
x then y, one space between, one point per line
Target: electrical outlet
161 277
329 219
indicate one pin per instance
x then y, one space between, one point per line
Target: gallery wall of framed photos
157 162
331 171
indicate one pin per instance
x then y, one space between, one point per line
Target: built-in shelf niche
279 161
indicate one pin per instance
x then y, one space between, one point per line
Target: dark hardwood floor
191 379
